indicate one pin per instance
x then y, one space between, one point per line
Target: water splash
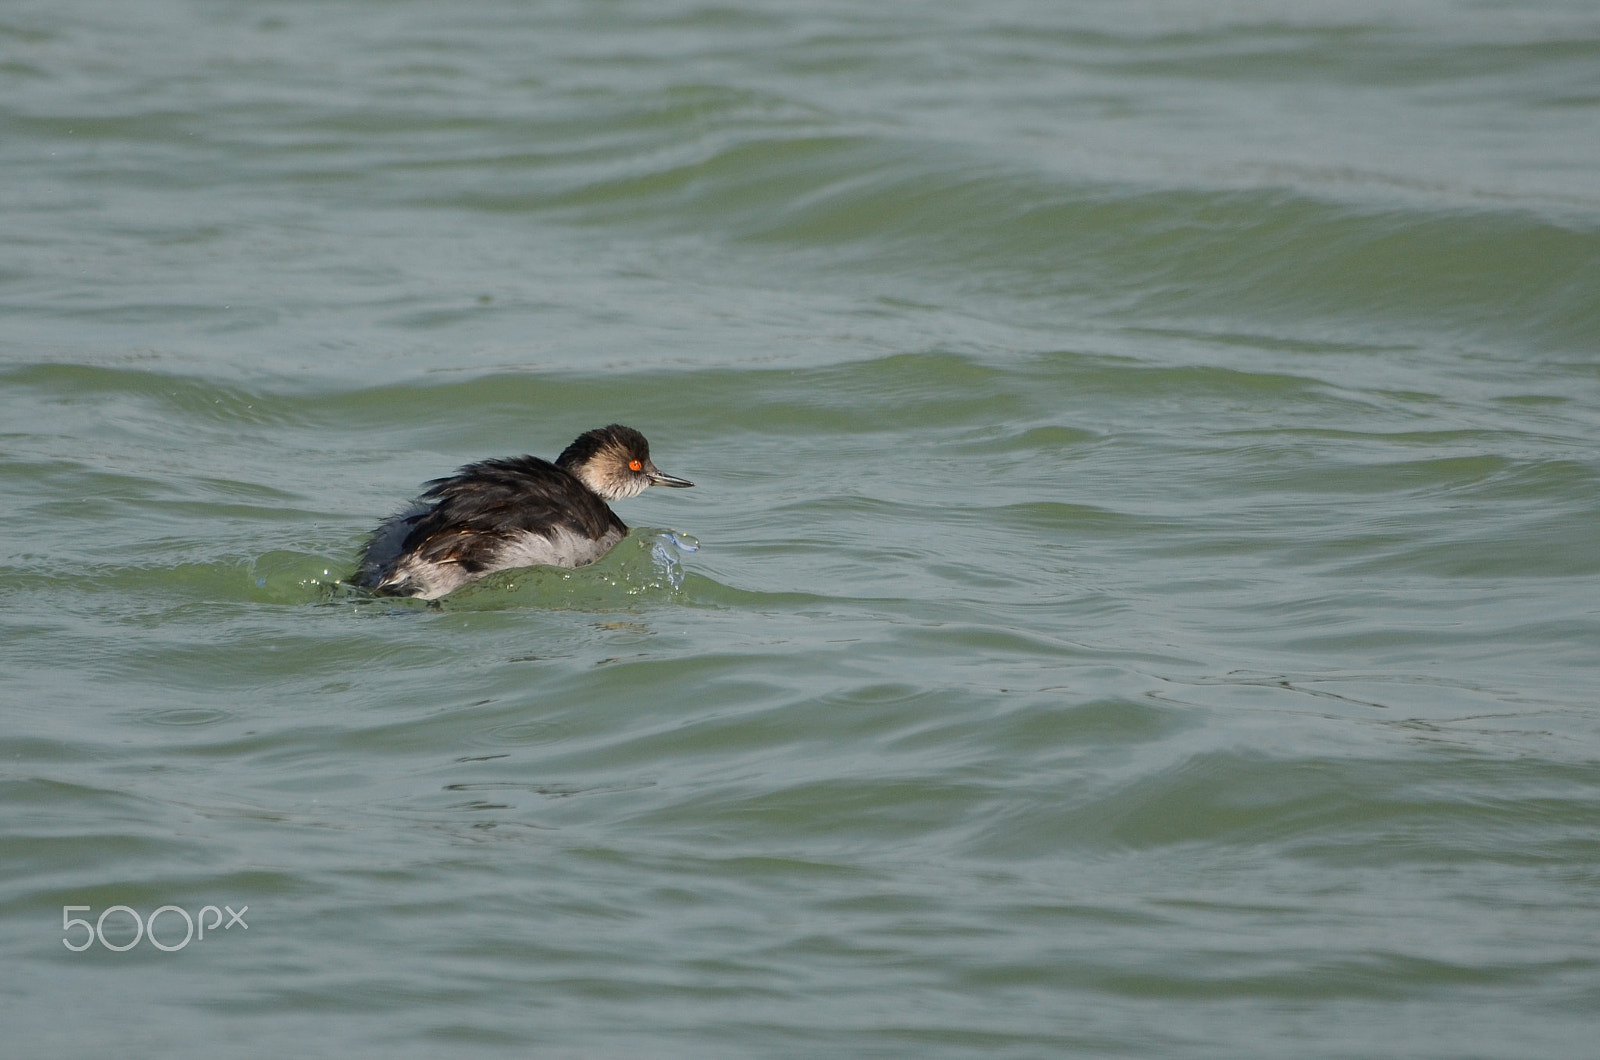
286 577
667 548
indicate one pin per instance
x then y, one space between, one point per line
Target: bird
517 511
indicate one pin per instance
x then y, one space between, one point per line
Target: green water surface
1140 596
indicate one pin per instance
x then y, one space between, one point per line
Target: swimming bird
518 511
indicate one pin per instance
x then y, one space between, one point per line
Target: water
1145 601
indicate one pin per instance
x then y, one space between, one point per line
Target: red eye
634 465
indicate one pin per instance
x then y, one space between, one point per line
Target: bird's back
491 515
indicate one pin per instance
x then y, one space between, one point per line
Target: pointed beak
659 479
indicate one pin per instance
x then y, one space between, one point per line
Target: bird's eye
634 465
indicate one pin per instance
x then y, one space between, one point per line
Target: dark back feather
478 508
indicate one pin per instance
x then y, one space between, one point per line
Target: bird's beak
659 479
